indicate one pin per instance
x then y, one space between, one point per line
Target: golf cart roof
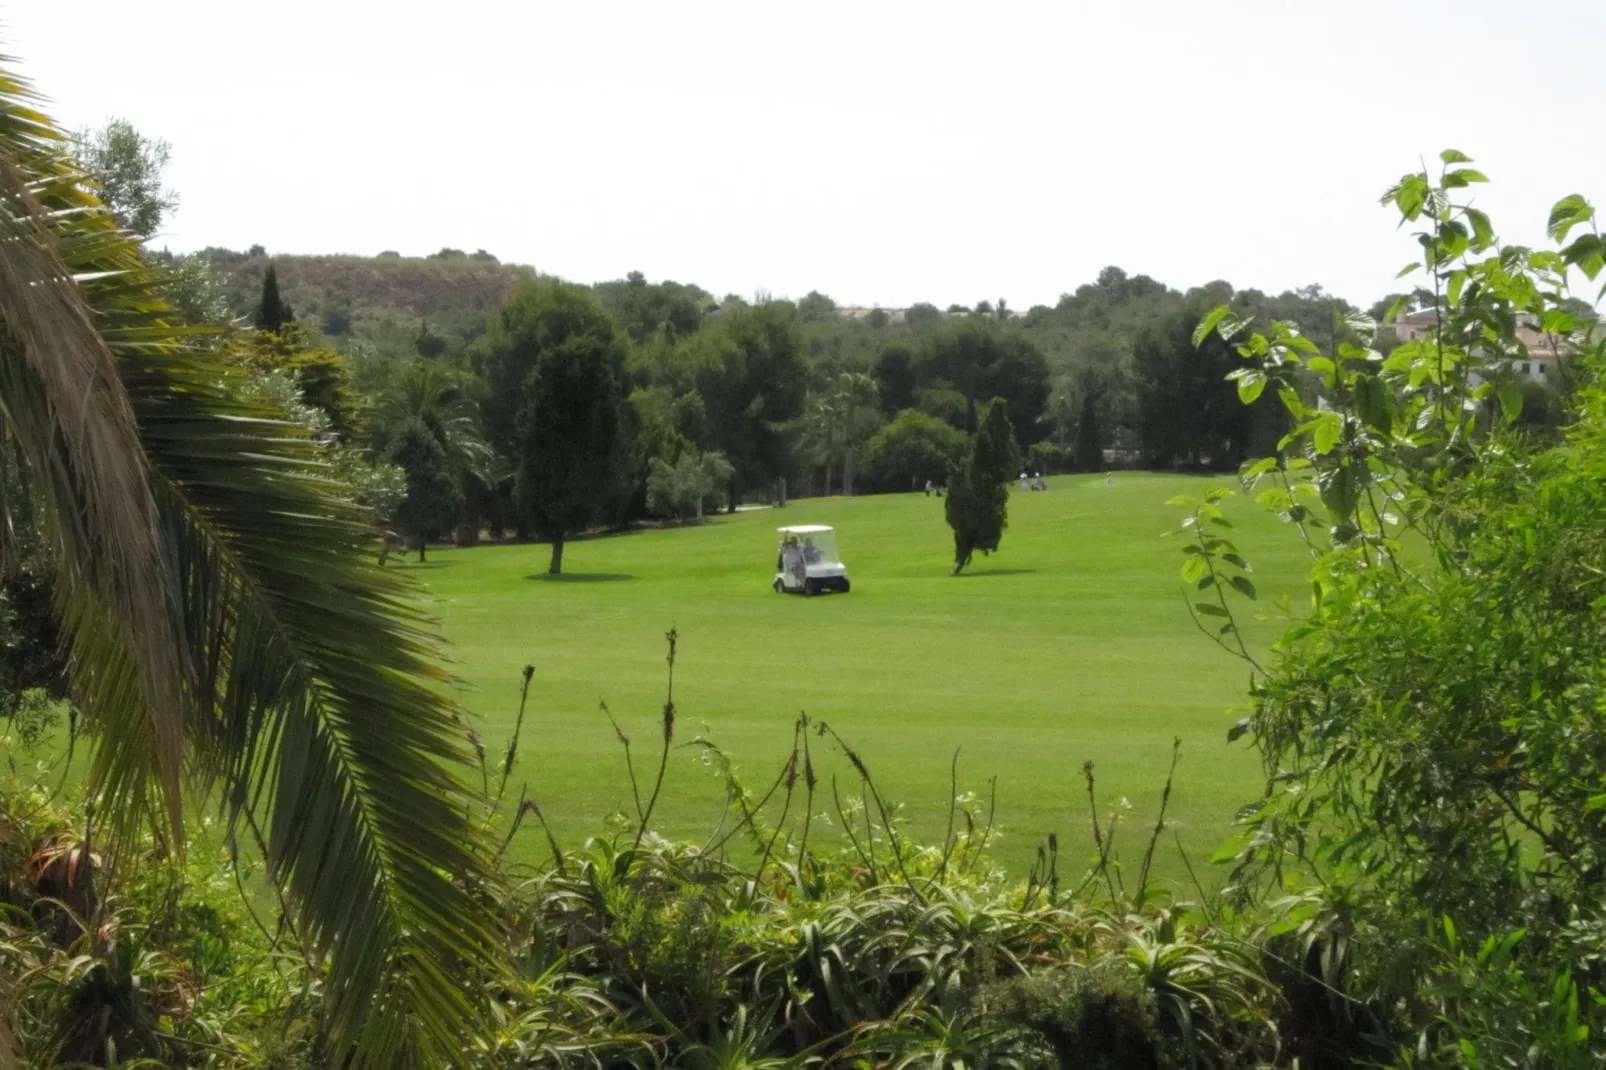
805 529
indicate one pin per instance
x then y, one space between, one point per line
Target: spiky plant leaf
68 427
310 696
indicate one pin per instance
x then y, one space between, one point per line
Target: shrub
1430 726
1049 459
911 449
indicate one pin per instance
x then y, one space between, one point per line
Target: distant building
894 315
1544 352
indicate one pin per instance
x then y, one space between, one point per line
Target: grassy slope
1072 643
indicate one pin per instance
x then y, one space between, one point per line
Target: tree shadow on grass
580 577
414 566
967 574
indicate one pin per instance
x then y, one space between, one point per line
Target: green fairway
1072 643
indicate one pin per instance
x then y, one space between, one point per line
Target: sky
881 152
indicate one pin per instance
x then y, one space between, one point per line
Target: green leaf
1194 569
1184 500
1209 609
1290 400
1566 214
1510 400
1329 428
1415 265
1482 230
1217 494
1205 581
1559 321
1244 587
1237 562
1237 731
1233 326
1465 175
1209 323
1259 468
1251 384
1457 283
1372 402
1361 324
1587 254
1454 156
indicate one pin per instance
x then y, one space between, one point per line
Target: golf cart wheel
811 587
846 586
780 588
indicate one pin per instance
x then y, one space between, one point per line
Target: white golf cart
807 562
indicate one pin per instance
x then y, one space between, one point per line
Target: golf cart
807 562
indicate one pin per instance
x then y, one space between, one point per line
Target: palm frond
428 393
318 668
69 422
311 679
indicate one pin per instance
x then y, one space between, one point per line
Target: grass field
1072 643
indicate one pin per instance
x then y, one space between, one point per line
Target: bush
911 449
1431 727
690 487
944 403
1049 459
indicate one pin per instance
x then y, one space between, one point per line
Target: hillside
383 300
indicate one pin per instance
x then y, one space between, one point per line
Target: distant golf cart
807 562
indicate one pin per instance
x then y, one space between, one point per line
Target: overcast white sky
882 152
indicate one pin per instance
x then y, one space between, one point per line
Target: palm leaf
311 681
69 425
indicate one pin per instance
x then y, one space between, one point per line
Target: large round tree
555 365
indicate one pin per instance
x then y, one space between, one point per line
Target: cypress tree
1089 440
272 312
977 505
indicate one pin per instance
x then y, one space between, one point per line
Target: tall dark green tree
1089 455
434 497
555 368
895 373
272 311
751 377
1188 412
982 360
978 498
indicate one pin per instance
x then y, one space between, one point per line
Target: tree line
570 407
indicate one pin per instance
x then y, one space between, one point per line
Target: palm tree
432 394
856 392
226 632
819 431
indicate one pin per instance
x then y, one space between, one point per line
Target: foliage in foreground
226 631
1431 726
806 931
